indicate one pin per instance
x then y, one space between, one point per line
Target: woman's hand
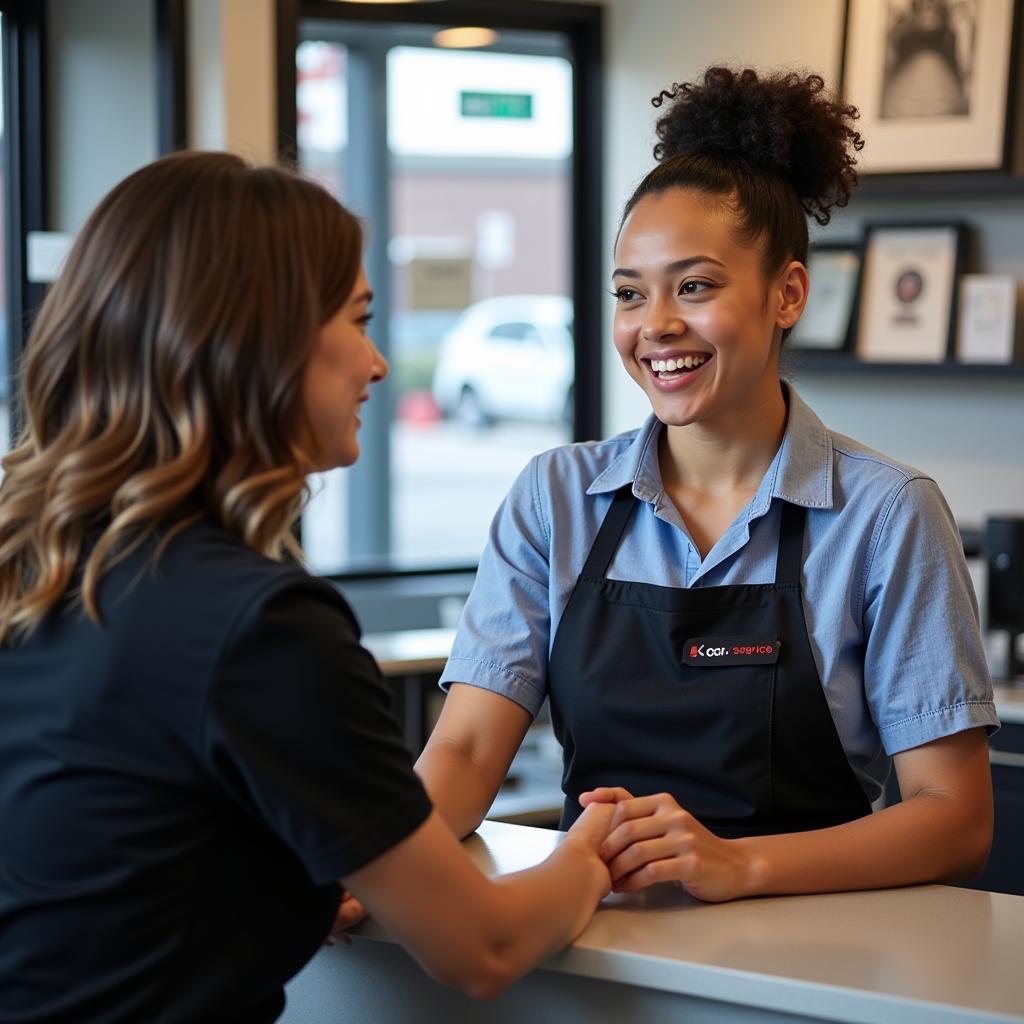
653 839
350 913
591 829
594 824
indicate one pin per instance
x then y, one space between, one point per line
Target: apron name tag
710 651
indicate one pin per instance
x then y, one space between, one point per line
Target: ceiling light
465 37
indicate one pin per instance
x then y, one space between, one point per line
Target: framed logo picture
907 307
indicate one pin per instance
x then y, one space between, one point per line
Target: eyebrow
366 297
672 268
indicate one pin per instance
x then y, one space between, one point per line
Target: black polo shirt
182 787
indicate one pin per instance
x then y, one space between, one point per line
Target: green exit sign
497 104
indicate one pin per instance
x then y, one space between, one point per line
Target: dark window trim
368 575
24 96
287 16
581 24
171 76
24 119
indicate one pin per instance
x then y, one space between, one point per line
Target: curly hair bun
783 124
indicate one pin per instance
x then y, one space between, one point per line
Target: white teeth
671 365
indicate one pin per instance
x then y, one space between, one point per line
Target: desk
411 651
923 955
1010 703
412 661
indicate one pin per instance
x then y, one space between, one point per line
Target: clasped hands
649 839
652 839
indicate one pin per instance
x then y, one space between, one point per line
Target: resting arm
469 752
472 933
941 831
923 650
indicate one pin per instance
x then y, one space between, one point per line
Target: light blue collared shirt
891 611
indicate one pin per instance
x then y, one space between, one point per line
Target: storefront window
463 185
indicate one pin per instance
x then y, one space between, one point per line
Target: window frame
171 76
26 178
582 26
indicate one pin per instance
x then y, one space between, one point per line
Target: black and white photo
932 80
929 58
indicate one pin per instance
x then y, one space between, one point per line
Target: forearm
546 907
476 933
927 838
522 919
456 789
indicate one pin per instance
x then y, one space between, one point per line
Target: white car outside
510 357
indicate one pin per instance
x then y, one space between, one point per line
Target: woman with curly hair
194 748
741 619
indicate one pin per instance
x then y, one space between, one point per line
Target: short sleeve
925 671
299 731
503 636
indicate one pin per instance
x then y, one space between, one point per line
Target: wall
101 91
101 101
965 432
231 77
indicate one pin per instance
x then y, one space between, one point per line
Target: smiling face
697 325
338 376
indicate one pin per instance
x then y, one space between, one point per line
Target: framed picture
834 268
934 82
987 329
907 303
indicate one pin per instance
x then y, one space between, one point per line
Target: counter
922 955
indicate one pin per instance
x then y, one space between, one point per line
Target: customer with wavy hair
195 751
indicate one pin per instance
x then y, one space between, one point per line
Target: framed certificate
824 326
907 308
987 331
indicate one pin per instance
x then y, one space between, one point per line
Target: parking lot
447 480
450 480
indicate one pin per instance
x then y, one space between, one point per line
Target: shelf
970 184
798 362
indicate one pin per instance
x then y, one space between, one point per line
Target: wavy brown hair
162 381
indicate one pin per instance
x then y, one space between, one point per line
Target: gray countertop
920 955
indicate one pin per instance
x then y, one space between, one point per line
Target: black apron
710 694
